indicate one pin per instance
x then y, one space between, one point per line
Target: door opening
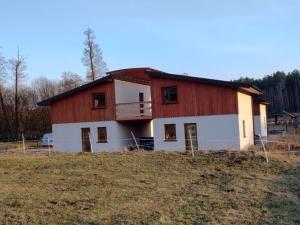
85 137
191 139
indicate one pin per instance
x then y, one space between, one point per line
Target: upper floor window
169 94
98 100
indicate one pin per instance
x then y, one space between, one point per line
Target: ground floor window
102 135
170 132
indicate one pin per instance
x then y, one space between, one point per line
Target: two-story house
176 111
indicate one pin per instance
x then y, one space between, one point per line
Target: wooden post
91 143
289 150
49 150
264 148
191 143
137 146
23 140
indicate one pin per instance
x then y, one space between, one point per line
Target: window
102 135
169 94
99 100
244 129
170 132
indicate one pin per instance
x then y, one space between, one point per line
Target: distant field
149 188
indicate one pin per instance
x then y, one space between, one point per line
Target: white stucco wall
67 137
216 132
246 114
129 92
260 122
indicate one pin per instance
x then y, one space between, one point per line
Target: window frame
93 100
163 96
165 127
98 137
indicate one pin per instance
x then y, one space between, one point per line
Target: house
177 112
260 118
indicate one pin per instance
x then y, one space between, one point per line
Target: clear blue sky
221 39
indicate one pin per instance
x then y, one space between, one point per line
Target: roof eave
83 87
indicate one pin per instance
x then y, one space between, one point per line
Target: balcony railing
134 111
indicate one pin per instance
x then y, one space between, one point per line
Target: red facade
79 106
194 99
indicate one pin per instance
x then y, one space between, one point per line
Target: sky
207 38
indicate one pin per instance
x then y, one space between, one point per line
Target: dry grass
18 145
149 188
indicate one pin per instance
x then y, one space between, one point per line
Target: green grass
149 188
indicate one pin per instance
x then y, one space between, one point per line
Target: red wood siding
132 75
194 99
79 107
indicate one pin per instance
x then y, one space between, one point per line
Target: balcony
134 111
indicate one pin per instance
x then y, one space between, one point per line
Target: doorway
85 137
191 139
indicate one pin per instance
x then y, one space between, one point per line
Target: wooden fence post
91 143
191 143
23 141
264 148
49 150
137 146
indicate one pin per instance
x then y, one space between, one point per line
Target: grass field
149 188
19 144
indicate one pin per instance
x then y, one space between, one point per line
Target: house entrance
85 137
190 131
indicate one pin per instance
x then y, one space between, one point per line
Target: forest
281 90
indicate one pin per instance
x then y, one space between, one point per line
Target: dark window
99 100
169 94
170 132
244 128
102 135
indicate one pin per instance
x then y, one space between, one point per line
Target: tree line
19 113
281 91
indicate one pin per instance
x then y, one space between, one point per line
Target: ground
149 188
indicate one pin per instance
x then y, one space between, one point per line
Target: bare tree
44 88
18 67
92 57
69 80
3 65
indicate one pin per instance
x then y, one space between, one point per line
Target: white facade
67 137
127 92
260 122
216 132
245 120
